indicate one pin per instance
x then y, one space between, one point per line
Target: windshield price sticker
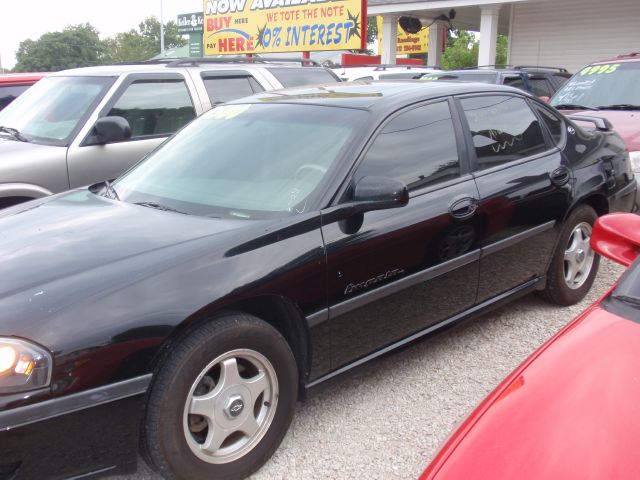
600 69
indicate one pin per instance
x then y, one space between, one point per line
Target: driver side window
417 147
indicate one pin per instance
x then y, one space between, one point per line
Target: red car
608 89
12 85
572 409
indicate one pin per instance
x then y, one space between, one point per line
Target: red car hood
626 123
571 411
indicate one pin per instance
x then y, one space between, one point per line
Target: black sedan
270 245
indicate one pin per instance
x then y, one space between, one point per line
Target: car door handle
463 208
560 176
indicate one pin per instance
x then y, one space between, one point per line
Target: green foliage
462 50
142 44
75 46
501 49
80 45
372 29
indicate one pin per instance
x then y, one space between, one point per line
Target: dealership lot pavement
388 418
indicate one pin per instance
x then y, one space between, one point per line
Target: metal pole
161 31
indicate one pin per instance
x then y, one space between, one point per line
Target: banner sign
190 23
406 43
270 26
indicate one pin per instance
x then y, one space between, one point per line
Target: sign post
270 26
193 25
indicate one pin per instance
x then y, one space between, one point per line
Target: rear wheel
574 265
221 402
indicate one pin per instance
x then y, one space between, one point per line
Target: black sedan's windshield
604 86
244 161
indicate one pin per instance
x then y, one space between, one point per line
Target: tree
142 44
462 50
372 29
75 46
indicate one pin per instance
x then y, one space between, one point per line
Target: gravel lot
388 418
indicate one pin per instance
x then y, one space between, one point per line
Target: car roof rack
384 66
540 67
516 67
496 67
628 55
196 61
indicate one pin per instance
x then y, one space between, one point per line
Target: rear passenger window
540 87
225 89
515 82
553 123
155 107
503 129
295 77
417 147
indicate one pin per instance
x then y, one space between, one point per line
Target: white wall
573 33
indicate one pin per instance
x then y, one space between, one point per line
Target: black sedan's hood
71 233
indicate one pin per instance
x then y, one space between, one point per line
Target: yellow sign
407 43
261 26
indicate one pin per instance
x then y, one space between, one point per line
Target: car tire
221 402
574 264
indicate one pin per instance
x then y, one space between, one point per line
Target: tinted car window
155 107
540 87
515 82
9 93
225 89
503 129
295 77
417 147
561 79
553 123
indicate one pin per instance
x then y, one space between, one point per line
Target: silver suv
87 125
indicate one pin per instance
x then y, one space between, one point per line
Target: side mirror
617 236
110 130
379 193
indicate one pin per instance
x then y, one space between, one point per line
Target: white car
381 72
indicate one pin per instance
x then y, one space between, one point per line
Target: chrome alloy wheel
230 406
578 256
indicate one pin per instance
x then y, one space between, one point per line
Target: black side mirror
379 193
109 130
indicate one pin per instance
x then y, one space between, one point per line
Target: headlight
23 366
635 161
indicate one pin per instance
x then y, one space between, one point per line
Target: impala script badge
355 287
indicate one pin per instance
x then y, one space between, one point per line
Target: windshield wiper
620 106
158 206
573 106
14 133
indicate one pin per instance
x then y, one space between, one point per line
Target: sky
22 19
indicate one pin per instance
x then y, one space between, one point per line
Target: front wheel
574 265
221 402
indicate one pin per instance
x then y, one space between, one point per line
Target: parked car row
187 305
81 126
539 81
263 249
